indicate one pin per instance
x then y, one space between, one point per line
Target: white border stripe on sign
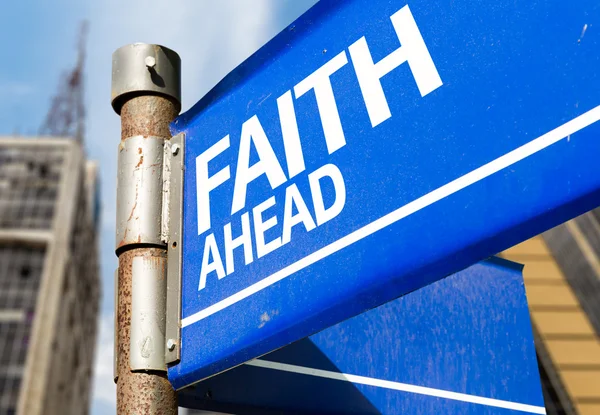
403 387
430 198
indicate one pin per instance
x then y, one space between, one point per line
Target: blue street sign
462 345
372 148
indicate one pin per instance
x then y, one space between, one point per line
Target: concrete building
49 276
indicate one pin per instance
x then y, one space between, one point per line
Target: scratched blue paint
510 72
468 333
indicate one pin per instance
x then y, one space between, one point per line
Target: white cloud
212 38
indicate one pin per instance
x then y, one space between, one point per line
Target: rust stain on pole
138 392
141 392
147 116
146 93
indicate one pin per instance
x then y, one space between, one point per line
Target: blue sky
38 43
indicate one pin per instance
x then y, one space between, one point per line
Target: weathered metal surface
140 187
148 116
144 118
166 190
148 309
173 216
146 392
116 324
140 67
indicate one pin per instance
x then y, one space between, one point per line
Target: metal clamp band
140 186
148 303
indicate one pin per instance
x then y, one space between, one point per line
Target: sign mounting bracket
172 225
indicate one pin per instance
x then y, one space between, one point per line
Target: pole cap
144 68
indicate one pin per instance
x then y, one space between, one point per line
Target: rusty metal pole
146 93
